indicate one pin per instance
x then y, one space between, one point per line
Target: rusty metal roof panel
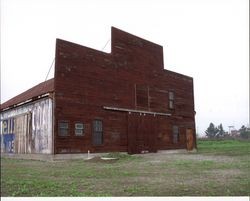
38 90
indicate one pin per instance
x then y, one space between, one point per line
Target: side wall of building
131 77
28 128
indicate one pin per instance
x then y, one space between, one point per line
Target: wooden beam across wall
136 111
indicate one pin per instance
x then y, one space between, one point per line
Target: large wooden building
103 102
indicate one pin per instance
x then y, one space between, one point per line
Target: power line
54 60
106 44
50 68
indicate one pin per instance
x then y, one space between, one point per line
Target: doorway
141 133
190 139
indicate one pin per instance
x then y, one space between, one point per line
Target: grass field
219 168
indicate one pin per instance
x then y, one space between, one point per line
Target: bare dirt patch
164 157
99 159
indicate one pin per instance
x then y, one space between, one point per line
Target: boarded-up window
63 128
142 96
171 100
175 134
79 129
97 132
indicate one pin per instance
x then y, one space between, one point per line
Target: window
171 100
79 129
175 134
142 94
63 128
97 132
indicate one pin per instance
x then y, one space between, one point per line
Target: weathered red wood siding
87 79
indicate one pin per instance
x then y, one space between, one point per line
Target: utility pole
230 129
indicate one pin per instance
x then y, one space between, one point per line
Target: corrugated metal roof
40 89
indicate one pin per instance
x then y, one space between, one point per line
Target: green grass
224 147
219 168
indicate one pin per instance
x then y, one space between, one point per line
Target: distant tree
244 132
221 132
211 131
243 128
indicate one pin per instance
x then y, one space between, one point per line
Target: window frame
66 128
142 96
96 132
81 129
171 100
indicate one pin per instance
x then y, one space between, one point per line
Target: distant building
103 102
235 133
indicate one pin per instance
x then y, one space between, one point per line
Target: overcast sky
205 39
